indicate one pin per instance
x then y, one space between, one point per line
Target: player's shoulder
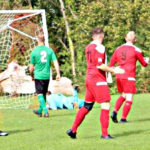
130 46
97 46
121 47
48 49
136 49
45 48
36 49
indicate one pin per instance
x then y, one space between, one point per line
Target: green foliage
116 17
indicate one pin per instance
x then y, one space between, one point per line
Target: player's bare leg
126 108
79 118
118 104
104 120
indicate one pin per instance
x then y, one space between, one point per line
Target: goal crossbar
35 12
22 11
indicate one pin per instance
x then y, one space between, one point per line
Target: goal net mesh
18 34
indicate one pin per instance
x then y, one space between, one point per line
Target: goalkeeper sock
126 109
104 121
118 104
42 103
79 118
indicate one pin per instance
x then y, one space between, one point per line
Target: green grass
28 132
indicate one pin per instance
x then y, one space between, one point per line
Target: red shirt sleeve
113 60
140 57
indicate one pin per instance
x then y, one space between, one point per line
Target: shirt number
43 56
123 57
89 56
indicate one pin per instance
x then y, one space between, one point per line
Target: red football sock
118 104
104 120
79 118
126 109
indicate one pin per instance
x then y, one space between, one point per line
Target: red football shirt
126 57
95 56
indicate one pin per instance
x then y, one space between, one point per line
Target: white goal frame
7 25
35 12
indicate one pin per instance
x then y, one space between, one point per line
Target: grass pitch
28 132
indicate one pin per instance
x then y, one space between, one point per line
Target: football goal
18 37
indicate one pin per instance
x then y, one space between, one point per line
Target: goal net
18 37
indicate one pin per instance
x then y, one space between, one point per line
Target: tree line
70 23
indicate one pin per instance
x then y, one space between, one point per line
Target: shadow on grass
19 131
142 120
128 133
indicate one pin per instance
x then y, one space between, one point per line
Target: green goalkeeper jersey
41 58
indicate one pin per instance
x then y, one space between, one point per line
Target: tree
116 17
71 47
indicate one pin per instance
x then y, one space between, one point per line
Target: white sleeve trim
146 59
131 79
138 49
101 83
99 47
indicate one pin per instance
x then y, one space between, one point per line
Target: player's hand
118 70
32 78
146 60
57 77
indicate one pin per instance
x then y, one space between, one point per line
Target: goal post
18 37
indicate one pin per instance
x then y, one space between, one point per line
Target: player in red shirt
126 57
96 84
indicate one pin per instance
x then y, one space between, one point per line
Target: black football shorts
41 86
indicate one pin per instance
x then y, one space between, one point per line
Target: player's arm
114 70
144 61
31 70
106 68
113 60
31 65
56 65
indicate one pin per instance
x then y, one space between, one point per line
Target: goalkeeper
40 63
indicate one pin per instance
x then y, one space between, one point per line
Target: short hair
97 30
41 37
